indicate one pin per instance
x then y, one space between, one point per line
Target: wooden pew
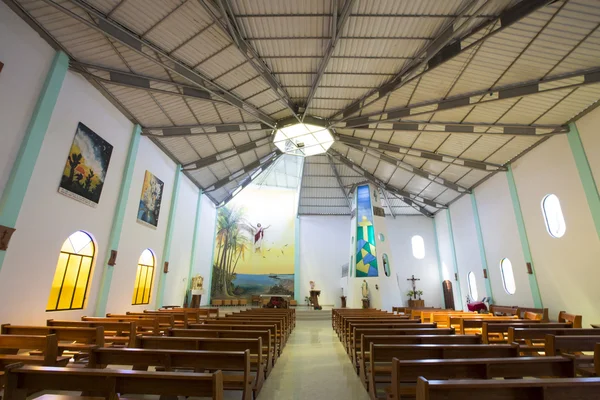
597 359
181 317
165 321
115 333
287 312
404 372
47 345
521 389
575 320
469 326
346 325
496 309
268 348
352 340
379 367
288 318
338 315
171 360
23 380
442 319
533 339
534 313
78 340
368 338
280 320
145 326
211 344
424 314
279 337
497 332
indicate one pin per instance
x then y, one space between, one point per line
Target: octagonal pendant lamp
303 139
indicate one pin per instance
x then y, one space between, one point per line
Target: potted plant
411 294
307 300
419 293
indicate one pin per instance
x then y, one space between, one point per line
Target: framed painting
150 200
86 167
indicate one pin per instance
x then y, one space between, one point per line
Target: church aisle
313 366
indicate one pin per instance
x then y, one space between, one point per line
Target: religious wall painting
86 167
150 200
254 245
366 254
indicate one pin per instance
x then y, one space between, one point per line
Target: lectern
314 298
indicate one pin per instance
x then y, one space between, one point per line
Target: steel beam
410 168
264 162
409 198
558 82
194 130
337 27
475 128
339 181
225 155
452 47
231 28
157 55
425 154
387 201
259 170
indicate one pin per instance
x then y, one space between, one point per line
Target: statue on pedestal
365 294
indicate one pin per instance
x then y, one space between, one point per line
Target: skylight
303 139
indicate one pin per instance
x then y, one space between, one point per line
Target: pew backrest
576 320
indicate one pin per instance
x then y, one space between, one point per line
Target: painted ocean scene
246 285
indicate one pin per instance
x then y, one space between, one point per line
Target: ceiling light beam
232 29
337 29
409 198
225 155
339 181
116 32
263 163
428 155
249 179
452 47
410 168
387 201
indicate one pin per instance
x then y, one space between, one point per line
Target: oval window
472 286
508 278
553 216
381 237
418 247
386 265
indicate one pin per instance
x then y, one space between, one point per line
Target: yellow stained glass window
143 278
73 273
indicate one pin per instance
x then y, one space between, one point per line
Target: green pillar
194 240
585 174
20 175
166 253
484 264
535 290
297 260
117 223
454 259
439 260
212 259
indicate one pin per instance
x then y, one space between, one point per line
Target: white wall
400 232
47 218
589 130
324 248
205 245
501 239
445 250
21 80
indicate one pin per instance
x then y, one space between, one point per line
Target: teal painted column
297 260
166 253
535 290
195 239
439 259
212 258
117 224
454 259
20 174
585 174
484 264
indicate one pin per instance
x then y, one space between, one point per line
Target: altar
276 300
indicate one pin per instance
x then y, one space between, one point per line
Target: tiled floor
313 366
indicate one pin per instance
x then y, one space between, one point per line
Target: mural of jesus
259 234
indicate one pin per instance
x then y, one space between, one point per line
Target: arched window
144 278
386 265
472 286
553 216
73 273
508 278
418 247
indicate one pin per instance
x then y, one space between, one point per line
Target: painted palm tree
74 160
228 238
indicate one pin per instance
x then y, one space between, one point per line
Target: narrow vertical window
386 265
472 286
418 247
553 216
144 278
73 273
508 278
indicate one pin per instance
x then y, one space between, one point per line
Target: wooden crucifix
413 279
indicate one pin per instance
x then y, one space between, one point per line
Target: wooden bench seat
165 320
172 360
405 373
279 337
281 322
145 326
353 339
109 383
379 367
78 340
521 389
17 348
497 332
212 344
115 333
348 323
533 339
